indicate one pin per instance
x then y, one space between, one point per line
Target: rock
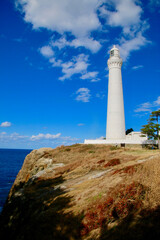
100 174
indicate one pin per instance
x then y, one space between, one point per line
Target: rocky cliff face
85 192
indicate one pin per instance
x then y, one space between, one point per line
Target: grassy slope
100 193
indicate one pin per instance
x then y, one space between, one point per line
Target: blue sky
53 67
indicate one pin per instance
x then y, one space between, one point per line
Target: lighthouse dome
114 52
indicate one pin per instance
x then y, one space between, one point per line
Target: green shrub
67 149
112 148
91 151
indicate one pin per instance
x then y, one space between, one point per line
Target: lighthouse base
132 138
118 141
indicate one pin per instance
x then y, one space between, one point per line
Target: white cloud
87 42
127 46
55 63
95 80
16 136
46 51
77 17
42 136
72 16
69 139
126 14
5 124
89 75
62 42
148 106
83 95
78 65
144 107
137 67
40 139
75 21
12 137
157 102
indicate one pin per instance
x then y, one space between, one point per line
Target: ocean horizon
11 161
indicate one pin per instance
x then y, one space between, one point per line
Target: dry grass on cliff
149 175
134 203
115 192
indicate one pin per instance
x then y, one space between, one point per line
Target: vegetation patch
87 147
129 170
91 151
112 162
67 150
101 161
112 148
126 199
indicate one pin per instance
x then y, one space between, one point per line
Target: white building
115 130
115 109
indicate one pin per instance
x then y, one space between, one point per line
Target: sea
11 161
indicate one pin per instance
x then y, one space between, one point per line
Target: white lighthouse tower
115 131
115 109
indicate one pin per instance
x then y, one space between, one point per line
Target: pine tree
152 128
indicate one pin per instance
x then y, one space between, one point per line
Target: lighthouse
115 130
115 109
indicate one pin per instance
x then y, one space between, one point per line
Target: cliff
85 192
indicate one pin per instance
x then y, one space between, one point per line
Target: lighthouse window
112 53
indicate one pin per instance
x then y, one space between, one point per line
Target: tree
152 128
129 131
